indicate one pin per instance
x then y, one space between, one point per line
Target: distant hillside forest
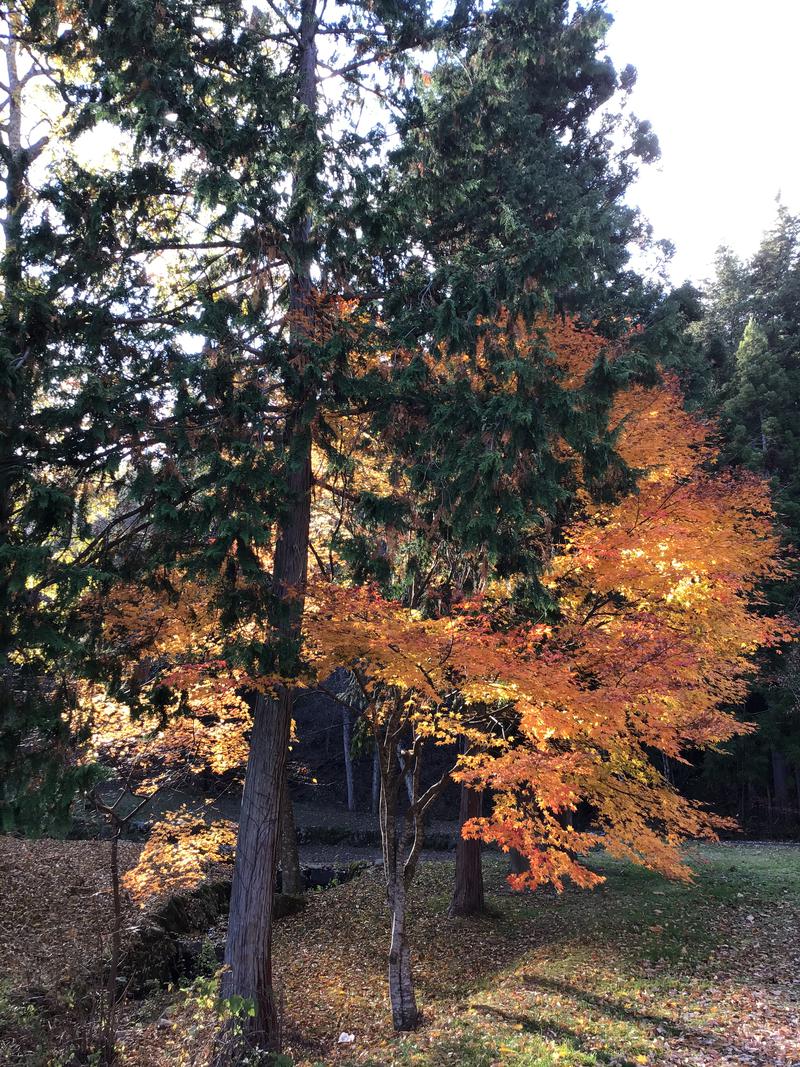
741 365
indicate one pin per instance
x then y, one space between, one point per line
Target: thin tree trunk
405 1015
468 898
402 850
14 205
407 776
780 780
376 780
291 875
347 743
110 1021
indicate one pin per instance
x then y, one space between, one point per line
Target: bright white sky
720 81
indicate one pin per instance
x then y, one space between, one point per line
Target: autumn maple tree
646 646
642 645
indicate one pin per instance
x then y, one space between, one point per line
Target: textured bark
248 952
468 898
405 1015
291 875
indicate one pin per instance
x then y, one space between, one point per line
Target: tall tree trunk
347 744
291 875
248 953
14 403
468 898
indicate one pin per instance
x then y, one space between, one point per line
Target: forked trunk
405 1015
402 838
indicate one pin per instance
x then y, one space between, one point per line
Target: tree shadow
694 1038
455 961
553 1031
605 1004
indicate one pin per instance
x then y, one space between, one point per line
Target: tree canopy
321 350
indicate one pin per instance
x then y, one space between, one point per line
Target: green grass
631 973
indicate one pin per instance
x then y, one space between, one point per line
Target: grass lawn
638 971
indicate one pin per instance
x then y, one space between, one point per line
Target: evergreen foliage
744 362
43 469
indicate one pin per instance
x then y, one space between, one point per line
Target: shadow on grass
552 1031
694 1039
603 1004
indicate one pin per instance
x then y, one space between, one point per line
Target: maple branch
422 806
320 564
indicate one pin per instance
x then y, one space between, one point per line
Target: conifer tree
277 255
759 391
42 478
750 338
